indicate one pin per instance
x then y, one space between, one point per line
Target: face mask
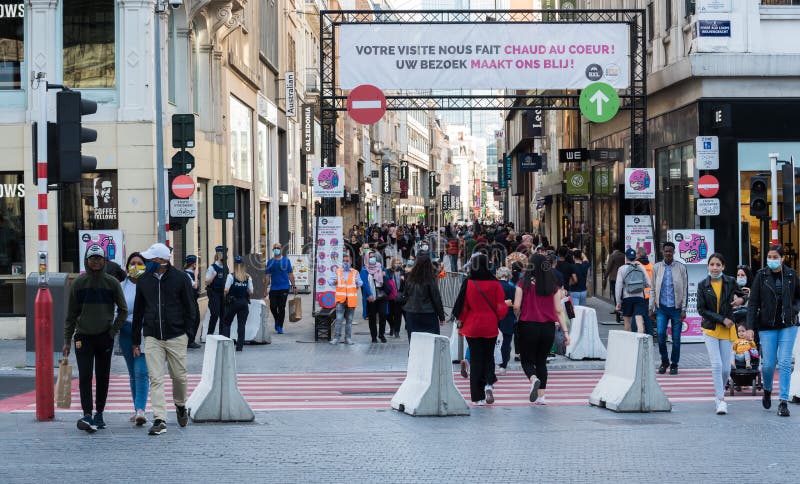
373 260
713 276
424 247
773 263
277 252
346 266
135 270
410 263
741 281
151 266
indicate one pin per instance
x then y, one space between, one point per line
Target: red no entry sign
366 104
183 186
708 186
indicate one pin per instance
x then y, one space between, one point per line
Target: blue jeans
578 298
719 352
505 349
344 317
665 315
137 368
776 347
421 323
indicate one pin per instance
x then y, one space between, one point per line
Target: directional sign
707 207
707 150
183 207
183 186
599 102
708 186
366 104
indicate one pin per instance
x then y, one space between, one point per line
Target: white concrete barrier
629 380
217 397
429 389
256 329
794 386
584 336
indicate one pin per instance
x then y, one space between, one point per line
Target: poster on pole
328 182
301 266
692 247
639 233
640 183
112 242
329 240
397 56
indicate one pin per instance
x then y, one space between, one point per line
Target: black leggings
277 305
377 310
481 366
93 350
395 318
240 309
535 340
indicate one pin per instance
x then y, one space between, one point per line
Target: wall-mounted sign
291 100
508 168
328 182
431 184
603 181
307 125
12 190
112 242
714 28
99 200
706 149
455 190
403 170
573 155
577 182
501 173
386 178
714 6
607 154
708 207
529 162
640 183
403 189
534 123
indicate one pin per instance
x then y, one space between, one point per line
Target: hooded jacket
90 310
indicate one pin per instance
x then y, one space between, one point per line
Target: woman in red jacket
484 306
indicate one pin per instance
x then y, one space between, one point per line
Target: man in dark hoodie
90 320
164 307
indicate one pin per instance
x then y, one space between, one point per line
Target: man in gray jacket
668 305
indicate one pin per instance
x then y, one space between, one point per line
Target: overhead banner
329 232
328 182
483 55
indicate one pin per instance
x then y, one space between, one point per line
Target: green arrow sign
599 102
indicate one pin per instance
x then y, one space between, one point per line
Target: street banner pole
43 305
773 167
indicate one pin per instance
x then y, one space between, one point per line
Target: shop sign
573 155
431 184
529 162
403 189
606 154
640 183
99 196
706 150
577 182
603 182
534 123
12 10
508 168
12 190
307 125
403 170
707 207
386 178
291 100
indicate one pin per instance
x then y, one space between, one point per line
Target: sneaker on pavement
98 421
183 415
783 409
349 342
335 341
489 394
159 427
722 407
541 401
87 424
663 368
464 369
382 338
535 384
279 330
480 403
501 371
766 400
673 370
140 417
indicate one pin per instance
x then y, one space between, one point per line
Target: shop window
241 140
265 160
12 48
88 43
676 200
12 224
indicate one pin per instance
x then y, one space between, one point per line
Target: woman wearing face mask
772 310
373 274
715 296
410 264
137 366
238 289
398 277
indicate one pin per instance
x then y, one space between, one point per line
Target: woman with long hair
238 289
484 305
423 308
540 310
397 276
137 366
373 274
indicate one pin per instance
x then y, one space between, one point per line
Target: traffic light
759 207
788 187
65 163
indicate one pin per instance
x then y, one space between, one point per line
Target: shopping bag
559 346
295 310
498 355
64 384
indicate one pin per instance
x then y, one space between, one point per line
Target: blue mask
346 266
713 276
277 252
773 263
151 266
410 263
373 260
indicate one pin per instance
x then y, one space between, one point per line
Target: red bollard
43 319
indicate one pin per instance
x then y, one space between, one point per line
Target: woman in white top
137 367
238 289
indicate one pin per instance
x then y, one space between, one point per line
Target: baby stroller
741 376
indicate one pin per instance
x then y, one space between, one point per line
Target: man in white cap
164 308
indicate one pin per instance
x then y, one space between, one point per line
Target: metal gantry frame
332 100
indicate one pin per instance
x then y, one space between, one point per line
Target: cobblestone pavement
577 444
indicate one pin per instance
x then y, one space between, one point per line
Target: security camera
175 3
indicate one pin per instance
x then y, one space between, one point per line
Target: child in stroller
744 367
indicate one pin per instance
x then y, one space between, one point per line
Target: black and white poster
99 200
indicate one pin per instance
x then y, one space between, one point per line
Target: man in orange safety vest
348 282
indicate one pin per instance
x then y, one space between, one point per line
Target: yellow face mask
135 270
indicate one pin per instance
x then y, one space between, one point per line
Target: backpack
634 281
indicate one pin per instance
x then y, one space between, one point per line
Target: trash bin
323 324
59 284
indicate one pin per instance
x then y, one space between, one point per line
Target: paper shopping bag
64 385
295 310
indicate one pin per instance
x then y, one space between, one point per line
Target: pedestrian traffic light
788 189
758 197
65 163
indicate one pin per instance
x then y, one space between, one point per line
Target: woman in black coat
423 302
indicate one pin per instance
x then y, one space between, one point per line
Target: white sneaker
535 384
501 371
349 342
335 341
722 407
480 403
489 394
541 401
